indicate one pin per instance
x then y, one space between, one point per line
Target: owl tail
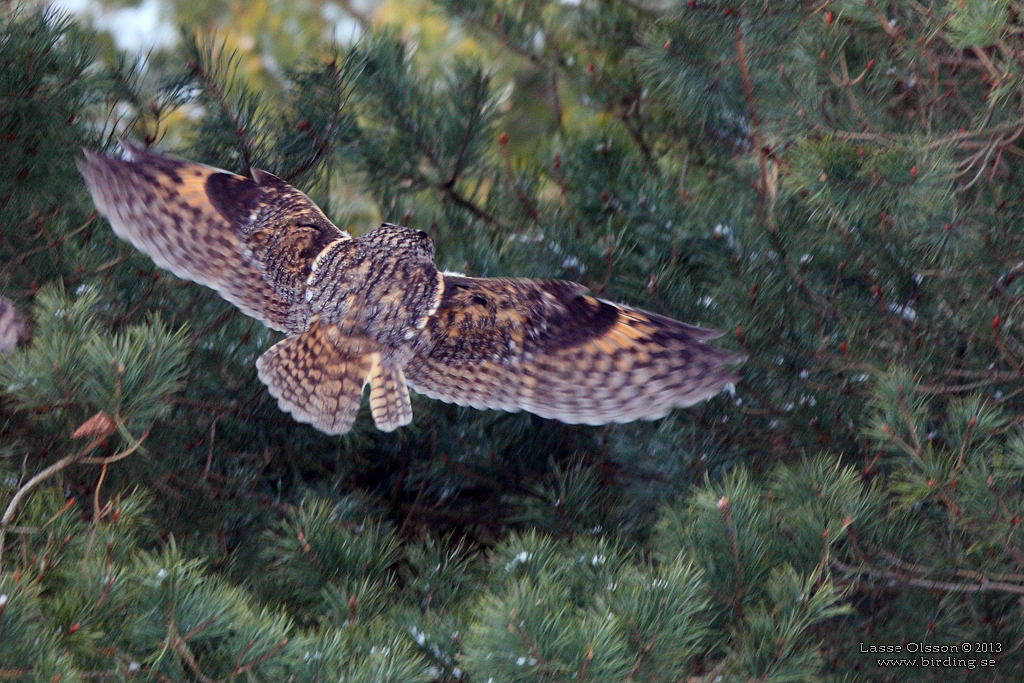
318 376
389 396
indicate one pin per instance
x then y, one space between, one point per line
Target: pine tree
833 183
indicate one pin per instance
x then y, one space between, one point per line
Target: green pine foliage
835 185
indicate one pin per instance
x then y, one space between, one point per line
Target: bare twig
54 469
945 586
20 258
209 453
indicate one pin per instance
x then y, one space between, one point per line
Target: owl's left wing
198 222
546 347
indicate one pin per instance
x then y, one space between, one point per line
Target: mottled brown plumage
375 310
318 375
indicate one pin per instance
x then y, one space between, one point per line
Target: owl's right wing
546 347
198 222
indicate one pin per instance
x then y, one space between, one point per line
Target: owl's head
416 245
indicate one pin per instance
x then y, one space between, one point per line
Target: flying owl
375 310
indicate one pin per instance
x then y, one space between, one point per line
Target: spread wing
252 240
546 347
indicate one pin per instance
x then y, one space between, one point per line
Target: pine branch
40 477
56 467
182 648
21 258
455 196
209 82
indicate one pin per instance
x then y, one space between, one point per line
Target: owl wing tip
707 333
132 147
88 156
261 177
86 166
96 170
90 161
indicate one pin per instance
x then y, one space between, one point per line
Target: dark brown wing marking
545 347
281 229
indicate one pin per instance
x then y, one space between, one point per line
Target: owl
375 310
